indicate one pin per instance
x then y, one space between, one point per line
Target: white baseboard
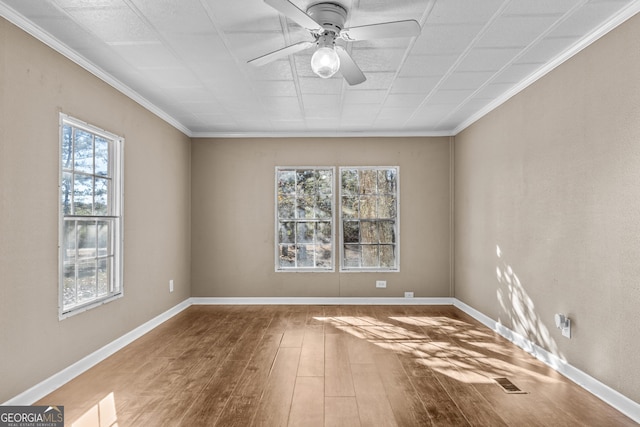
592 385
319 301
55 381
600 390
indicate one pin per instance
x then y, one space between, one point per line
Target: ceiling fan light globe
325 62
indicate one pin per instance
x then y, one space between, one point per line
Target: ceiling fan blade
349 69
292 12
409 28
281 53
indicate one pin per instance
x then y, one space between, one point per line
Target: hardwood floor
325 366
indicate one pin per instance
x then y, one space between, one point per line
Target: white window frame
330 218
341 220
113 218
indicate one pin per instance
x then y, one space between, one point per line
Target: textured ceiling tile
250 45
321 101
277 70
377 59
142 55
376 81
487 59
376 11
119 25
374 97
528 7
403 100
448 97
198 48
427 65
83 4
248 15
175 16
315 85
466 80
463 11
276 88
445 39
421 85
516 31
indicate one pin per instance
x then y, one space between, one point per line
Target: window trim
117 214
341 243
277 267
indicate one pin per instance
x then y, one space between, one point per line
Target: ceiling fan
325 21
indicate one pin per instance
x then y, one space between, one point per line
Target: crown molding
318 134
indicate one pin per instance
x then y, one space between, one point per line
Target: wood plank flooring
324 366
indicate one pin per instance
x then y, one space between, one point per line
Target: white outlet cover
381 283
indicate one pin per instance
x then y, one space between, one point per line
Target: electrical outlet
381 283
408 294
171 285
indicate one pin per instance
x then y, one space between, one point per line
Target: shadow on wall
517 310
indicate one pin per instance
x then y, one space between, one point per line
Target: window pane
83 145
69 242
69 286
325 182
350 182
65 193
305 232
386 207
370 256
323 206
352 255
351 232
87 244
323 256
101 201
104 272
304 256
350 207
387 256
83 195
323 232
368 206
368 232
286 182
387 232
387 181
368 182
286 207
104 238
67 148
286 232
305 206
102 156
287 255
306 180
87 281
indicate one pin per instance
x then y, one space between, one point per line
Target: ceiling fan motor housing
331 16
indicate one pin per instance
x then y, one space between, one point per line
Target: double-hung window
90 216
369 219
304 219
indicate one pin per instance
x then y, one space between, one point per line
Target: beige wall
35 84
552 178
233 216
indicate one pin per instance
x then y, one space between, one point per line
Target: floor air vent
508 386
